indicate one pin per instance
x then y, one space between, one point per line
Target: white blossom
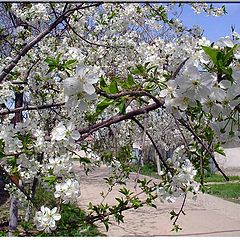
62 132
81 83
45 219
68 191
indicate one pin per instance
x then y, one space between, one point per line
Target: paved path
207 216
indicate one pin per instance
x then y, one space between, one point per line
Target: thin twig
182 121
181 209
89 42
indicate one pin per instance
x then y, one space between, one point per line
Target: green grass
147 169
227 191
217 178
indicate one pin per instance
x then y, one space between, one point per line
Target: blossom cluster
182 180
68 191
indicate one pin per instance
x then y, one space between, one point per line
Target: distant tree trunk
144 141
13 212
13 218
158 163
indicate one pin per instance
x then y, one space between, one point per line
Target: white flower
45 219
225 42
59 164
39 134
194 84
81 83
60 132
74 134
68 191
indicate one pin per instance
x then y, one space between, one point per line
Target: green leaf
209 133
130 80
51 61
229 55
122 107
106 224
103 104
69 63
1 148
84 160
176 228
12 161
212 53
58 58
90 205
103 84
173 213
113 88
139 70
124 191
227 71
217 148
50 179
150 86
118 218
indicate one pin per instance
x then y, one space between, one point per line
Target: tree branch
181 209
128 93
118 118
27 108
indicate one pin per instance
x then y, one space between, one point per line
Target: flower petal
89 89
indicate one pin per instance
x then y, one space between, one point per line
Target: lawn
147 169
218 178
227 191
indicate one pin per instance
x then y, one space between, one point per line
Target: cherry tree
83 80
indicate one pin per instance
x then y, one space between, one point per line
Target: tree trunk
158 163
13 218
13 212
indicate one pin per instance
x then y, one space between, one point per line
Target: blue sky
214 27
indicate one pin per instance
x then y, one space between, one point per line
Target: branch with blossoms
130 115
38 38
118 118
